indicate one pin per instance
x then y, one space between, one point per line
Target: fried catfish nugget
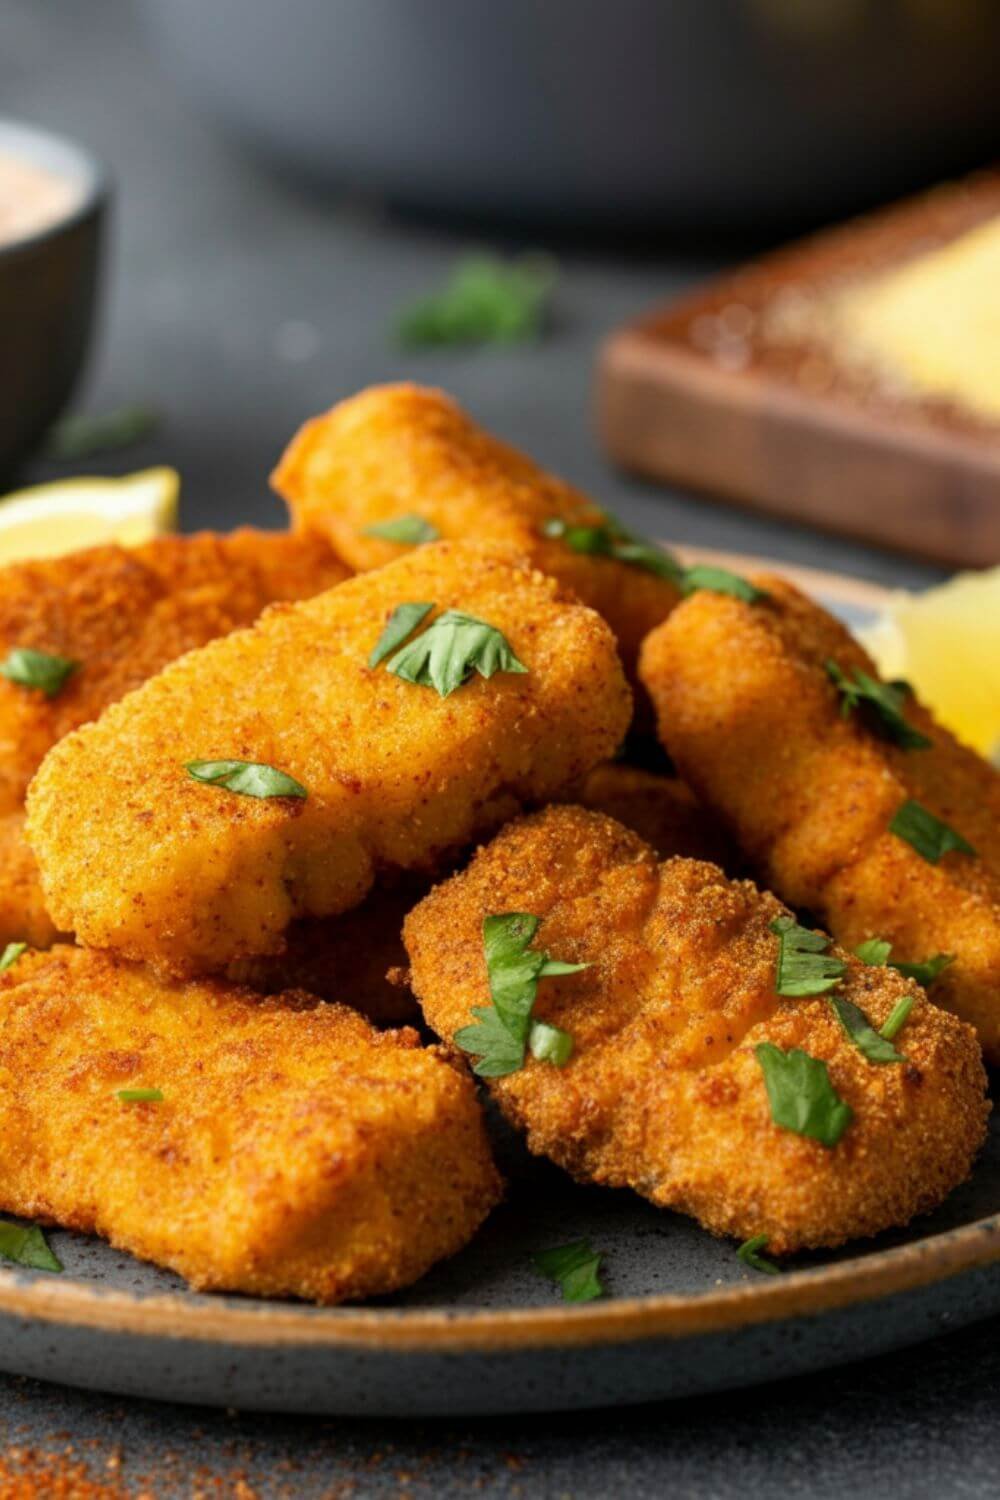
123 614
295 1151
664 1092
750 713
660 809
399 451
138 856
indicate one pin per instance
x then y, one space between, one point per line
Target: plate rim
175 1316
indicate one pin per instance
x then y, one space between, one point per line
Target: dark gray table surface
238 306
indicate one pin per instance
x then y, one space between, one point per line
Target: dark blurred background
238 301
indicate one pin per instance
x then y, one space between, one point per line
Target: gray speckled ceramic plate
483 1333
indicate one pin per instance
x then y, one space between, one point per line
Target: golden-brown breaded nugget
406 450
23 917
664 1091
295 1151
122 614
139 856
357 958
660 809
749 713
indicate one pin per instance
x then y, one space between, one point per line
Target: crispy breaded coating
662 810
123 614
295 1152
663 1092
749 714
138 856
23 917
357 958
400 450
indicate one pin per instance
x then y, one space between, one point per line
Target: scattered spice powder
27 1474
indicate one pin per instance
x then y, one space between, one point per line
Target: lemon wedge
946 642
51 519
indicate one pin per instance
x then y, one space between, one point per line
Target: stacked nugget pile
250 842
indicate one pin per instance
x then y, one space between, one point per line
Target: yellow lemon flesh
49 520
946 642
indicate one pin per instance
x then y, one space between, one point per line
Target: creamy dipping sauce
32 198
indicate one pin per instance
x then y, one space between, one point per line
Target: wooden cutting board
700 394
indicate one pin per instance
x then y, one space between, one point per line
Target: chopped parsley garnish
82 436
925 973
871 1043
402 622
411 530
749 1254
575 1268
801 1096
877 950
927 834
486 300
882 704
804 966
11 954
246 778
898 1017
450 650
38 669
27 1246
140 1096
720 581
550 1043
610 539
504 1030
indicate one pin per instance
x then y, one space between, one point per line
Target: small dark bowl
48 295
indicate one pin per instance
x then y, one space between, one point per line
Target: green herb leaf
27 1246
871 1043
246 778
450 650
37 669
411 530
925 973
402 622
610 539
749 1254
898 1017
501 1035
499 1051
804 966
575 1268
550 1043
927 834
720 581
875 952
11 954
486 300
882 703
84 436
801 1096
140 1096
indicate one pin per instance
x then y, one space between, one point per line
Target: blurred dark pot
640 112
48 294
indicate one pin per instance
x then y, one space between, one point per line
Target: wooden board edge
667 413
